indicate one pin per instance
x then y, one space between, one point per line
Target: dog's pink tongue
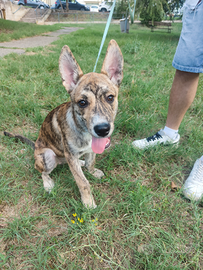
98 144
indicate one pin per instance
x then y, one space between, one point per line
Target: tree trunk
61 5
67 6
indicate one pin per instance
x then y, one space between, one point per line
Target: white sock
201 158
172 133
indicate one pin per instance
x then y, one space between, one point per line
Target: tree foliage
121 9
149 10
172 5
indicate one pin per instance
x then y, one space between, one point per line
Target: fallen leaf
141 248
174 187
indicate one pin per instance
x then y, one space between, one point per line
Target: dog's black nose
102 130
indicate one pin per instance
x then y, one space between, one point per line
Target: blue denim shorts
189 52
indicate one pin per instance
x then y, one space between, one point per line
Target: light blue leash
105 32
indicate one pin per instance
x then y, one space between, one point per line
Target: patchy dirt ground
31 42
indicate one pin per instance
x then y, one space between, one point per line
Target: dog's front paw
47 182
89 202
98 173
82 162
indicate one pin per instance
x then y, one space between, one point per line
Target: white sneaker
159 138
193 187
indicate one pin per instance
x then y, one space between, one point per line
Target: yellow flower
75 215
73 221
81 220
95 220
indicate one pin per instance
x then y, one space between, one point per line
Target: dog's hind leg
45 161
89 164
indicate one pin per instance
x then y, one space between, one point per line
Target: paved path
18 46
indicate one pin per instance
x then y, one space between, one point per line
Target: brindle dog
82 126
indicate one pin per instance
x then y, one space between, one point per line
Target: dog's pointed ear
113 63
69 69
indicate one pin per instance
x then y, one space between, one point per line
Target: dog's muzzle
102 130
101 143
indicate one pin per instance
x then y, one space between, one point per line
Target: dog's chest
78 140
81 145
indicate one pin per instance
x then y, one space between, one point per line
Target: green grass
11 30
139 222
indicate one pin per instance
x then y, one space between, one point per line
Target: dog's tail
21 138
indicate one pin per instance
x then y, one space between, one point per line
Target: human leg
188 62
183 91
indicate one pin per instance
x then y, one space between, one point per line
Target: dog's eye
82 103
110 98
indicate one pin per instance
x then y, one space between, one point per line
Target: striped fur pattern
83 126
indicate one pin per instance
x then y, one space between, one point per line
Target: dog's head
94 96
